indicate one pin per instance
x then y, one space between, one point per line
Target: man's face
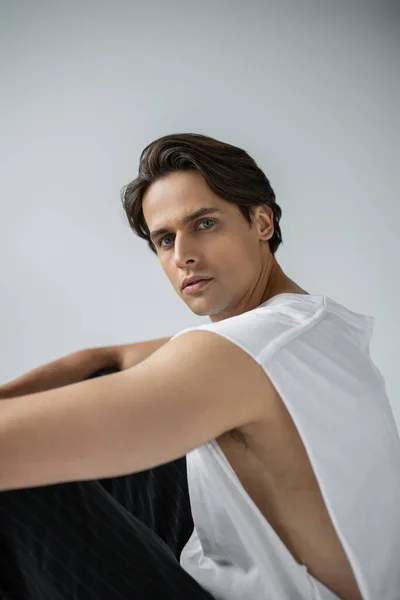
220 245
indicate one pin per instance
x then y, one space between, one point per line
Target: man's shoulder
224 364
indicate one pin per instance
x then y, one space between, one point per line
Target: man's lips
197 280
199 284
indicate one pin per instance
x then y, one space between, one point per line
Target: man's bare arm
78 366
129 355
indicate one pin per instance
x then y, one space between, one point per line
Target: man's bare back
273 467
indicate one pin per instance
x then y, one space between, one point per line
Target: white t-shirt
316 353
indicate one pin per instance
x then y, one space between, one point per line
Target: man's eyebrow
194 215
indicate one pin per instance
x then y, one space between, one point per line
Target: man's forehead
187 183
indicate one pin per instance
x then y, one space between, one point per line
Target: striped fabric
109 539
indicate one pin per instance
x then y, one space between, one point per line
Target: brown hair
229 171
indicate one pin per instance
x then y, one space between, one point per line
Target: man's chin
205 311
198 311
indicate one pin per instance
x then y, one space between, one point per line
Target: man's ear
264 220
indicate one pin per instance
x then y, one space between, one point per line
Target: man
291 446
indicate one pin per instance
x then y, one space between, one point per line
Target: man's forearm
132 354
63 371
79 366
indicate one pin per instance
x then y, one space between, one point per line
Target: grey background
309 89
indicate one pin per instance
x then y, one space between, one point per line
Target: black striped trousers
108 539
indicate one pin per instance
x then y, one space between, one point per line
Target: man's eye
167 236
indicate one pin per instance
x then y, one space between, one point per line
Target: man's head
235 245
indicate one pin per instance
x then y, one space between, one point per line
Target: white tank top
316 353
